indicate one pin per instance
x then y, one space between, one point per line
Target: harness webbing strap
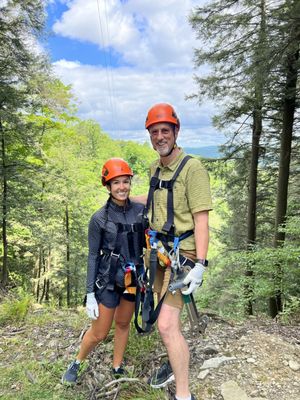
156 183
169 224
137 230
149 314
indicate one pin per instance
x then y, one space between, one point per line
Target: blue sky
121 57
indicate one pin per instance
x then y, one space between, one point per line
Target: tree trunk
288 115
252 201
42 273
256 135
4 272
39 273
48 267
68 257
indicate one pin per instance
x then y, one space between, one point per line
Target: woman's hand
92 308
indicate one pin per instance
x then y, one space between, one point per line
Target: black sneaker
118 372
162 376
71 374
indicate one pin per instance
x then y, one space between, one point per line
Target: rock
209 350
294 365
258 398
203 374
251 360
230 390
216 362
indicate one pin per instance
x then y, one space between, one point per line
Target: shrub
14 307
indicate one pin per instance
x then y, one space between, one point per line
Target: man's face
163 137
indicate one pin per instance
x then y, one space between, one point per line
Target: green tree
246 45
21 23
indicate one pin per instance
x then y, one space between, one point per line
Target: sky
123 56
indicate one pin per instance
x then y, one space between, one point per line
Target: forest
51 163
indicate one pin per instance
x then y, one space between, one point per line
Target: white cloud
124 109
155 39
146 33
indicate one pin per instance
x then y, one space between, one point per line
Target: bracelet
202 261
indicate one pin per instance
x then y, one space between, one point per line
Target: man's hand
92 309
194 278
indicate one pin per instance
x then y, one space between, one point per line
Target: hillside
206 151
254 360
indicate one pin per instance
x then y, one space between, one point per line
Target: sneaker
118 372
162 376
71 374
192 397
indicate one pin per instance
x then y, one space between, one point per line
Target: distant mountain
206 151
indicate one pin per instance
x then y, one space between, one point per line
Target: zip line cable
114 103
107 65
115 111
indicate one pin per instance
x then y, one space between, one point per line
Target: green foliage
291 312
15 307
224 287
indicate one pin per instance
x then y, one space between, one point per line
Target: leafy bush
14 307
291 311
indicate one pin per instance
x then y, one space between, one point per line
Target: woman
116 238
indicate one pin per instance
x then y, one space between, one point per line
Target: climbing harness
156 183
114 260
159 250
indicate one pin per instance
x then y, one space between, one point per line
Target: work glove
92 309
194 278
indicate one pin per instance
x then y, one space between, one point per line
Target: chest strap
156 183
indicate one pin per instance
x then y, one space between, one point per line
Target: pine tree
21 23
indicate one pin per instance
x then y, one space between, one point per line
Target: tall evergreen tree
21 22
245 44
290 70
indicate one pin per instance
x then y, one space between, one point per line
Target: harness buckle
97 283
160 184
115 255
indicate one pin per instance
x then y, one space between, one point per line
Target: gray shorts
112 298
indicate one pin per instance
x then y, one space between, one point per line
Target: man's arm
142 198
194 277
201 233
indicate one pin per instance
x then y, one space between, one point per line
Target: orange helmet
162 112
113 168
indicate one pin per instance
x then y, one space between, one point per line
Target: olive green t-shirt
191 193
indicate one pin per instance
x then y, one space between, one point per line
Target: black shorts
112 298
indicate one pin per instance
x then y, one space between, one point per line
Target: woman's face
120 188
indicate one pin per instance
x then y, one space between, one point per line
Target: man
177 210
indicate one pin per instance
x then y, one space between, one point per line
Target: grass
31 380
15 307
29 370
36 349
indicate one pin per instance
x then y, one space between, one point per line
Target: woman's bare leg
123 316
97 332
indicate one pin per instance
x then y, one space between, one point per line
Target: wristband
202 261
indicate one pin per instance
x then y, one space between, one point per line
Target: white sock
184 398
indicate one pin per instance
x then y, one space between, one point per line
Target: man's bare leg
170 331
